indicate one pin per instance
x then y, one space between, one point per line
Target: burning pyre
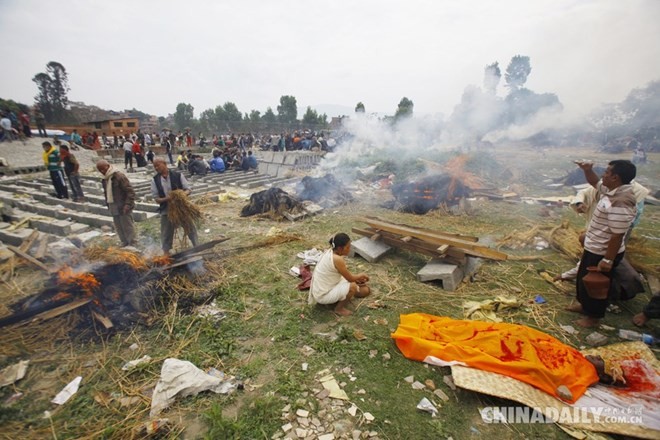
119 289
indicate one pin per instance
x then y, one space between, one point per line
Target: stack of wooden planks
429 242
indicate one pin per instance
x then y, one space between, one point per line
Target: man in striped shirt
604 246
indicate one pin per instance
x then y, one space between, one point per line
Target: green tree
231 112
255 116
310 117
492 76
359 108
269 116
287 111
184 116
404 109
517 72
53 86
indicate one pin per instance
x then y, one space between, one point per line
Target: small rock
352 410
106 228
134 347
287 427
303 421
301 433
356 434
302 413
373 433
369 417
564 392
287 408
430 384
386 356
304 366
409 379
449 381
372 353
361 391
418 385
326 437
441 394
596 339
324 393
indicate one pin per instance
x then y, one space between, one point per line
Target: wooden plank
57 311
27 257
27 243
397 243
198 248
375 237
104 320
444 234
443 249
438 239
43 247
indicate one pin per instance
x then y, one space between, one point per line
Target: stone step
47 225
42 209
92 208
256 183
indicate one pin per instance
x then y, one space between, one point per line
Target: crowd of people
17 126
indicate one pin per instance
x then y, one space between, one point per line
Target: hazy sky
152 55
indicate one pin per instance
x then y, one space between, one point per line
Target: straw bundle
114 255
181 212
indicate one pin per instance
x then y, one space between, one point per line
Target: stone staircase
28 205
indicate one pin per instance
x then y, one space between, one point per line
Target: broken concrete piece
430 384
449 274
449 381
409 379
61 250
426 405
418 385
369 417
352 410
596 339
335 392
441 394
368 249
302 413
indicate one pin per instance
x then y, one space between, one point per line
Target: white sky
152 55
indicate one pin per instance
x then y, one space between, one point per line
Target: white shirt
5 123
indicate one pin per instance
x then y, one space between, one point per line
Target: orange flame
86 281
162 260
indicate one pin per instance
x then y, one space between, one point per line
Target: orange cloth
512 350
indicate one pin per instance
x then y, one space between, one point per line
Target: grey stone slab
83 239
5 254
50 226
369 249
15 237
437 270
62 250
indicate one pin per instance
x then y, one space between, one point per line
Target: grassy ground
269 330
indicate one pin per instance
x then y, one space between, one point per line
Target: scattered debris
441 394
134 363
426 405
13 373
182 378
596 339
449 381
68 391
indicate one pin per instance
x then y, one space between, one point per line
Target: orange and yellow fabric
512 350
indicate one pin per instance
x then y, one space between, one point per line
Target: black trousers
58 182
594 308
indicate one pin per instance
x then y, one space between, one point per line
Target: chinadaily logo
566 415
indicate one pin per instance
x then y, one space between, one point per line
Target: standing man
128 153
604 246
41 121
120 199
71 169
162 185
52 161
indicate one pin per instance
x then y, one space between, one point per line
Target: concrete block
449 274
268 156
15 237
77 228
55 227
83 239
62 250
369 249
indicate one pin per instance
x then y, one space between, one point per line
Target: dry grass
181 212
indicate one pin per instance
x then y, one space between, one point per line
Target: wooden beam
198 248
104 320
443 249
57 311
375 237
437 239
27 257
444 234
43 247
27 243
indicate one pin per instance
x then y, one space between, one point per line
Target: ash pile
313 195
